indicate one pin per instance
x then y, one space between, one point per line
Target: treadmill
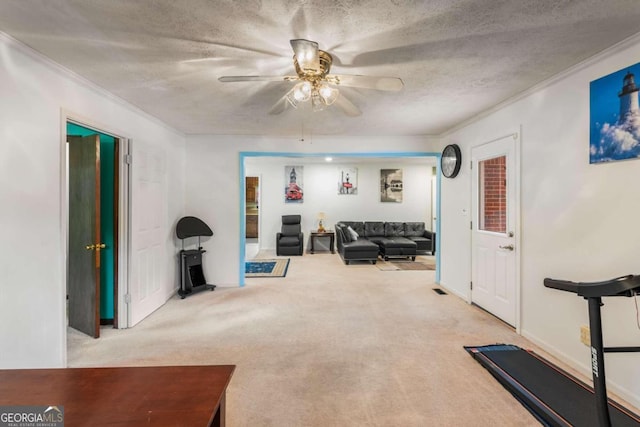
593 292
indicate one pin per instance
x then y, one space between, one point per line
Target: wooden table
327 233
132 396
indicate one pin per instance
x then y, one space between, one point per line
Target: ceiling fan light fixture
291 98
314 83
317 102
328 93
302 91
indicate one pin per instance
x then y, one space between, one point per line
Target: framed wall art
293 189
348 180
614 132
391 185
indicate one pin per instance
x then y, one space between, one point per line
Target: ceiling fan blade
347 106
231 79
280 106
391 84
306 53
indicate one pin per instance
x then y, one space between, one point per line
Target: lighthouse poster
615 116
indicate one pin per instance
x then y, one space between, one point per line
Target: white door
494 194
434 202
150 262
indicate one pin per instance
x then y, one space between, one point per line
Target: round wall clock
451 160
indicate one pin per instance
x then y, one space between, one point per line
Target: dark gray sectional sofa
365 241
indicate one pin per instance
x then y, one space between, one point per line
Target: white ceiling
457 58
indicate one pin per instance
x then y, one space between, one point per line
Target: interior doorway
252 216
360 156
93 224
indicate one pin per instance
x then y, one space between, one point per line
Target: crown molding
69 74
598 57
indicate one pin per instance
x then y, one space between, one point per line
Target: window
493 195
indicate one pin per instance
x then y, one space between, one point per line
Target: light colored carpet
421 263
328 345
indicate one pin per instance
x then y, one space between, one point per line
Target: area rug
266 267
404 265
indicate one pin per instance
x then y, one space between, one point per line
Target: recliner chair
290 239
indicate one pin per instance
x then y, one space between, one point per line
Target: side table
327 233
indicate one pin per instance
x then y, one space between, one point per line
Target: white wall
321 195
213 186
32 290
579 221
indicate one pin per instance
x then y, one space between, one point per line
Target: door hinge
127 298
127 159
471 283
471 225
471 165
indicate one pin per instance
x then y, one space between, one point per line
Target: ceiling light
328 159
318 91
328 94
300 93
317 103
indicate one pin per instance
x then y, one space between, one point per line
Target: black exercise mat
552 395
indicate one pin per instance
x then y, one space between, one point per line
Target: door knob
96 247
507 247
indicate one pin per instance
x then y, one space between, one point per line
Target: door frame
517 137
124 212
259 202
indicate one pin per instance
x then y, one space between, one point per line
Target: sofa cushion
291 219
289 241
424 243
358 226
361 249
352 234
342 234
290 229
373 229
394 229
412 229
291 225
360 244
398 242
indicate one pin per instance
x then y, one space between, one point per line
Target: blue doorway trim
381 154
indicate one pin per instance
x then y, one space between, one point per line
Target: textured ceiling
456 57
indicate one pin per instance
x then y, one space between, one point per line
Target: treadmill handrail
620 286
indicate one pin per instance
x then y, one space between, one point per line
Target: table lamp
321 217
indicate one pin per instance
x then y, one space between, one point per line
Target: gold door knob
90 247
100 246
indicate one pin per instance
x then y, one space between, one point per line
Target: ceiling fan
315 84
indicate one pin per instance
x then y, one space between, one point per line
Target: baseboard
583 369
